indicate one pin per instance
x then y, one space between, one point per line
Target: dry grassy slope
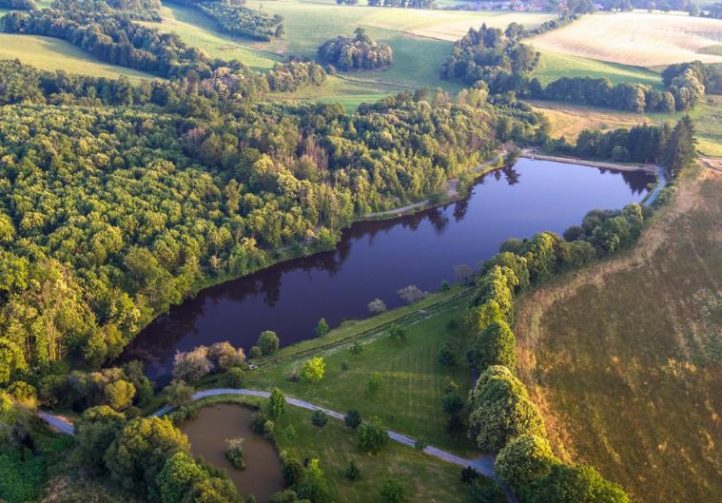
625 358
636 38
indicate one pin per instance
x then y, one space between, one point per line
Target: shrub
377 306
292 469
523 460
140 452
373 385
319 419
192 365
119 394
276 404
255 352
495 345
322 328
352 419
392 491
234 452
372 436
235 377
314 370
447 357
178 393
313 485
500 410
224 356
268 342
412 293
352 471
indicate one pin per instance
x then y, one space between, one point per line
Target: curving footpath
484 464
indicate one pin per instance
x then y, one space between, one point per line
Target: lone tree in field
322 328
359 52
276 404
314 370
372 436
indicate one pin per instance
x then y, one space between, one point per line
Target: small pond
208 432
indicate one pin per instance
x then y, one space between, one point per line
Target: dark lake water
375 259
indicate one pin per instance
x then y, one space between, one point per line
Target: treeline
491 55
114 39
110 215
672 148
601 92
227 89
359 52
499 59
18 4
242 20
502 417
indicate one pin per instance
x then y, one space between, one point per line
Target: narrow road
483 464
661 183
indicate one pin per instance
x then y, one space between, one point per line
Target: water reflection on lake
375 259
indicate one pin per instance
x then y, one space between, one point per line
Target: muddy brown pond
208 432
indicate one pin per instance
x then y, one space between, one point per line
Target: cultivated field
625 358
53 54
636 38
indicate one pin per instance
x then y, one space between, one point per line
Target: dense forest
110 215
359 52
18 4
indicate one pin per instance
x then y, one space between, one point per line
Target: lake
376 259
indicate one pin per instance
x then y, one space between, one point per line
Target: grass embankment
636 38
412 380
335 444
52 54
625 358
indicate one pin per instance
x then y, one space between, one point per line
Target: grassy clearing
568 120
412 381
198 30
554 65
335 444
625 358
636 38
53 54
420 39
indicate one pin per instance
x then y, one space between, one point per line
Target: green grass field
53 54
412 380
335 444
554 65
625 358
421 40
